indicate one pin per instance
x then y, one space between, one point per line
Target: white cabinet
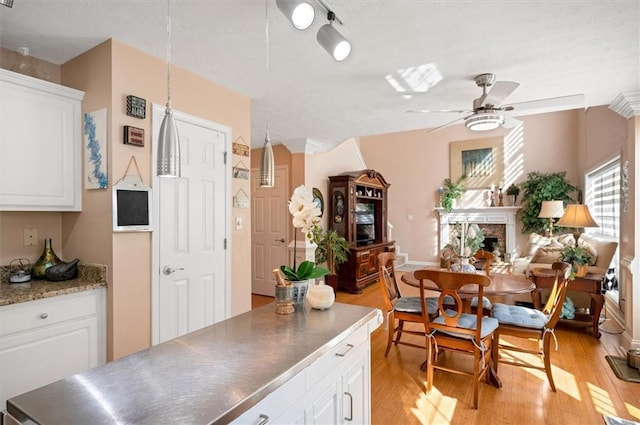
40 145
334 389
46 340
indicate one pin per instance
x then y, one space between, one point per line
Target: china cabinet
358 212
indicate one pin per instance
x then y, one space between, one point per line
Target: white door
191 269
269 235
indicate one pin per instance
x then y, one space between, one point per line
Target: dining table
503 282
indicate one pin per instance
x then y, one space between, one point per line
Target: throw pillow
566 239
535 241
547 255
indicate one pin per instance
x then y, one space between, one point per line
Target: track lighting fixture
300 13
168 143
332 41
8 3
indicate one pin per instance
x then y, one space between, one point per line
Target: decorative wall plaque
136 107
240 147
133 136
240 171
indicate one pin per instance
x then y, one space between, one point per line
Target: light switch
410 217
30 237
238 223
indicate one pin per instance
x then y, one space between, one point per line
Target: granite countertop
90 276
209 376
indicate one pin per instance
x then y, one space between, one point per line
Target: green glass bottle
46 260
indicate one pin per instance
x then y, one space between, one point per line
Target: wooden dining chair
488 258
400 308
529 323
456 331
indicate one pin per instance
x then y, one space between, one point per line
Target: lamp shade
168 147
300 13
267 167
551 209
334 42
577 215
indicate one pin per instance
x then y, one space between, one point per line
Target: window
603 199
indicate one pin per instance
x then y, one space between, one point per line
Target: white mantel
486 215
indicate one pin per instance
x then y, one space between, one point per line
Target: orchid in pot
306 216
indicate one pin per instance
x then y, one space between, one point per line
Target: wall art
481 160
95 149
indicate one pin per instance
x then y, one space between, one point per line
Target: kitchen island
305 367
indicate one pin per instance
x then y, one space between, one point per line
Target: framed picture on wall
481 160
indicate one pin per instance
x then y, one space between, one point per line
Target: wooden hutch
358 212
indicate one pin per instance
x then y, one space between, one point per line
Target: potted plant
452 191
540 187
333 250
577 256
513 190
306 216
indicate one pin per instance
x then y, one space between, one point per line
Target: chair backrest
487 256
553 306
388 283
450 283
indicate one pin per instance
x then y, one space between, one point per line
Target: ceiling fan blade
499 92
510 122
447 124
551 103
429 111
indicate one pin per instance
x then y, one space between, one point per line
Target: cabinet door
356 392
31 359
40 145
327 408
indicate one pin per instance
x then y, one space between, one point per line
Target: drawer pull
350 418
344 353
264 419
44 315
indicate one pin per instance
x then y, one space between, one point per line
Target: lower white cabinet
50 339
335 389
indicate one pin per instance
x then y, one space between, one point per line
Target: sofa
541 251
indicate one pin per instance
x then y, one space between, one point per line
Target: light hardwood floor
587 387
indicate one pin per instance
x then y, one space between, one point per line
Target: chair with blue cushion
454 330
529 323
402 309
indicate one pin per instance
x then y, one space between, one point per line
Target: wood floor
587 387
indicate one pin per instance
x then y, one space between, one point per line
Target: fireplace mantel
486 215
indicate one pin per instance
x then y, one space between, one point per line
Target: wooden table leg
536 297
492 373
597 301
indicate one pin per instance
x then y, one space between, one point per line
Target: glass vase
46 260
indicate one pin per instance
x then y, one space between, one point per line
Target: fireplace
498 223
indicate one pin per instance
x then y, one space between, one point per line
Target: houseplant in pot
540 187
306 216
579 257
513 190
333 250
452 192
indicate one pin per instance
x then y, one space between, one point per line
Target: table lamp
578 217
551 210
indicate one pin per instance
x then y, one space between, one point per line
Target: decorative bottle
46 260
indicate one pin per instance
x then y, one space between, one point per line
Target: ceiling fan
487 113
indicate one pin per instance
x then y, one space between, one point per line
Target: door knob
280 240
168 270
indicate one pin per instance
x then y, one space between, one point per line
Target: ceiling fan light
300 13
484 122
334 42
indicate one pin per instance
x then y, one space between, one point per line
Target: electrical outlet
30 237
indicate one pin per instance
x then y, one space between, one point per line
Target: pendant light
267 166
168 143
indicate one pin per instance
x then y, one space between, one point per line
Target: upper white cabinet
40 145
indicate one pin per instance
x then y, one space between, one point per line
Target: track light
332 41
300 13
8 3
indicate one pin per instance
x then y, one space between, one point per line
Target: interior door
191 268
269 235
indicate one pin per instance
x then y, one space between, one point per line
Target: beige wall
107 74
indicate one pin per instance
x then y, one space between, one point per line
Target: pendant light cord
168 53
266 26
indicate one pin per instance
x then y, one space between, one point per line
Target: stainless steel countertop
209 376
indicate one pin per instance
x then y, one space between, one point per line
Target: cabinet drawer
333 358
45 312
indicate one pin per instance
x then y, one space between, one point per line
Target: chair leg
399 330
392 328
430 361
546 352
476 377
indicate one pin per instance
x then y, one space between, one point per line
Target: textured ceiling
552 48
